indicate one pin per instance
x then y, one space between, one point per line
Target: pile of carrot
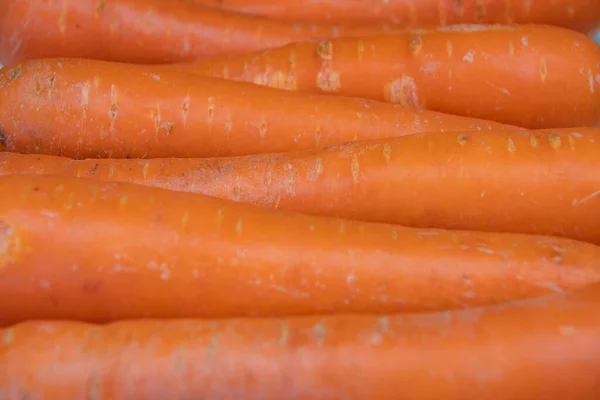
260 199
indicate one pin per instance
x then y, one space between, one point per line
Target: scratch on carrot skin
320 332
387 152
511 146
284 333
211 110
342 228
360 50
262 130
555 141
571 142
111 171
394 234
511 48
184 109
449 48
238 227
185 219
219 216
355 168
543 69
62 19
237 189
114 106
145 169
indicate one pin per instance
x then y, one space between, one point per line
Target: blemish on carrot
511 48
462 139
85 94
442 12
9 337
511 146
123 202
290 181
469 57
571 10
93 392
543 69
355 167
211 109
571 142
525 41
96 82
10 244
284 333
145 170
567 330
325 50
320 332
449 48
318 135
111 170
238 227
237 189
328 81
225 72
62 19
228 124
99 8
318 166
415 45
360 50
555 141
292 60
403 91
479 10
262 130
387 152
394 234
14 72
185 219
384 325
219 216
342 227
51 83
59 188
533 142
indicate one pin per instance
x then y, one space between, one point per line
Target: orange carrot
97 251
582 15
530 76
84 108
143 31
544 182
546 348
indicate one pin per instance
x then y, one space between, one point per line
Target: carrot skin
144 31
84 108
581 15
509 74
542 348
174 254
544 182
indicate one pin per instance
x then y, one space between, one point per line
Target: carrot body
75 249
547 348
84 108
143 31
544 182
582 15
530 76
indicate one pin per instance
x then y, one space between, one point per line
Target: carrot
529 76
102 251
546 348
143 31
84 108
582 15
545 182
